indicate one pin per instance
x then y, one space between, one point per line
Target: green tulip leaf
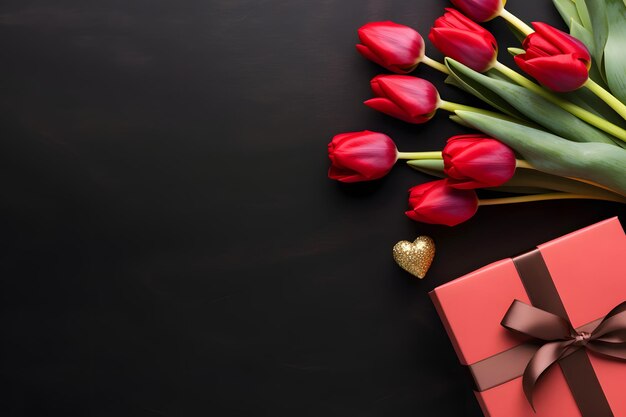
585 98
583 13
515 51
482 93
599 23
614 56
534 107
584 35
456 119
524 181
432 167
567 10
537 179
519 190
598 162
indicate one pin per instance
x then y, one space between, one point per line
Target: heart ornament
415 257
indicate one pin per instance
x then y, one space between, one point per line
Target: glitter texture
416 257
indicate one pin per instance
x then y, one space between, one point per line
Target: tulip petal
398 47
438 203
455 19
378 92
361 156
368 54
417 97
564 42
388 107
597 162
479 10
475 161
343 175
559 73
475 50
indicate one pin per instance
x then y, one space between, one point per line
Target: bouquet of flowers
555 130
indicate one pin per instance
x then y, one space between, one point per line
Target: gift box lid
589 273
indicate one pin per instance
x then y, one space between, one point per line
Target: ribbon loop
536 323
562 340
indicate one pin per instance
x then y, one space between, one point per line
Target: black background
171 245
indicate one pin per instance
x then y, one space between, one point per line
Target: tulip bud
555 59
361 156
396 47
463 40
475 161
407 98
437 203
480 10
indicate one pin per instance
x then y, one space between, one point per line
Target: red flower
475 161
396 47
361 156
460 38
438 203
407 98
555 59
480 10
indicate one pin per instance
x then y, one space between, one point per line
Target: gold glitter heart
416 257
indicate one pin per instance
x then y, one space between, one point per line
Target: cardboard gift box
580 277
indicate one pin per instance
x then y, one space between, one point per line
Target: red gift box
580 277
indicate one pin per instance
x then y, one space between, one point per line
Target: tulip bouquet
555 130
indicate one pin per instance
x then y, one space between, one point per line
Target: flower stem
435 64
420 155
452 107
547 196
517 22
607 97
577 111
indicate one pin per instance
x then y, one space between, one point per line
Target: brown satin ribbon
547 323
561 340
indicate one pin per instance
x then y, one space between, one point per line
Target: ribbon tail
545 357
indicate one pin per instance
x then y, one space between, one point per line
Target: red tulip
361 156
475 161
460 38
480 10
438 203
407 98
555 59
396 47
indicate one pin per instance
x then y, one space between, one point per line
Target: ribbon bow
560 339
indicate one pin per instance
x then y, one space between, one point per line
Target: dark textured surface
171 245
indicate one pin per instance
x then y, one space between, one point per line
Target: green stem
544 197
577 111
435 64
607 97
453 107
420 155
517 22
